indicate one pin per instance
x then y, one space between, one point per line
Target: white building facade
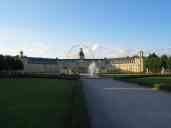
133 64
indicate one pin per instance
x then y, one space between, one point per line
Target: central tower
81 54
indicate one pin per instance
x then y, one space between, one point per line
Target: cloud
36 49
98 51
112 52
12 41
29 48
94 47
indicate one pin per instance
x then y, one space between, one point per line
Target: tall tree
165 61
2 63
9 63
153 63
18 65
169 62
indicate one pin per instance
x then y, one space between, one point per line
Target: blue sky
48 28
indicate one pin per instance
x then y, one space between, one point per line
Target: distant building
133 64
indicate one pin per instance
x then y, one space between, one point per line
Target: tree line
155 63
10 63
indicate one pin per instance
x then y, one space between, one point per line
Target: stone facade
133 64
40 65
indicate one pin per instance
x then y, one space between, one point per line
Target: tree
153 63
169 62
153 55
2 63
165 61
18 65
9 63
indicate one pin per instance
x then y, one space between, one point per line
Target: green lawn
155 80
162 82
41 103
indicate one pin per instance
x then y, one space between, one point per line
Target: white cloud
12 41
98 51
112 52
36 49
94 47
119 52
29 48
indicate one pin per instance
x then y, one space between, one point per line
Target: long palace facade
134 64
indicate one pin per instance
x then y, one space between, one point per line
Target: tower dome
81 54
80 51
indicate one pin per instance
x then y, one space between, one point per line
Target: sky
49 28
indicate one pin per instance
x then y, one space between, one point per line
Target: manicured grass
159 82
41 103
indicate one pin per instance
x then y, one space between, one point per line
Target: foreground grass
41 103
157 82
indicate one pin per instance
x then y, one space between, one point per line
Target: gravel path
115 104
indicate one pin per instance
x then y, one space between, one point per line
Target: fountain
92 69
84 55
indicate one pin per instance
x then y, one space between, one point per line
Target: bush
166 87
157 86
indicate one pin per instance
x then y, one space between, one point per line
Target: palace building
133 64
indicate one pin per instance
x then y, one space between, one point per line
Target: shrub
166 87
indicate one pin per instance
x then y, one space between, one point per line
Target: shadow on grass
42 103
79 108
